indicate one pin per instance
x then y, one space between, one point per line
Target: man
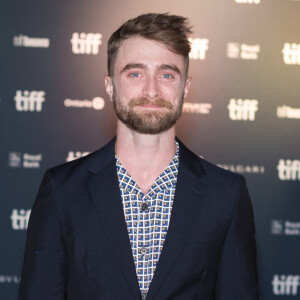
143 217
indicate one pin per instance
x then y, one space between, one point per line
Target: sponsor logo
288 112
276 227
286 284
29 100
25 160
74 155
198 48
20 219
196 108
15 159
289 169
244 169
242 51
242 110
97 103
31 42
86 43
10 279
247 1
291 54
280 227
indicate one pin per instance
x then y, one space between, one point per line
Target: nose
151 88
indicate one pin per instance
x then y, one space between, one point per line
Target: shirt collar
166 180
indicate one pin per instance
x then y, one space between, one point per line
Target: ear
187 86
109 88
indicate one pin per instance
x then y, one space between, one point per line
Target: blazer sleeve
237 275
43 274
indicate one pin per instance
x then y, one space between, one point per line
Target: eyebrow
143 66
133 66
170 67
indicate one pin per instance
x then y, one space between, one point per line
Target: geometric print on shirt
147 217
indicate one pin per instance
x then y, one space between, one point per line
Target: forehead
148 52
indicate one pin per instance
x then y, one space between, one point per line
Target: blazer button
144 206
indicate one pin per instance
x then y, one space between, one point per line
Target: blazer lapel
189 199
105 193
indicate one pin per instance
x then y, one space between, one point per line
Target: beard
148 121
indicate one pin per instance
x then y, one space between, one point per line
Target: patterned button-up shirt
148 217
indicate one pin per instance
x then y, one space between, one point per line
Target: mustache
144 101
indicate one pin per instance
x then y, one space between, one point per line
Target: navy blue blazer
78 246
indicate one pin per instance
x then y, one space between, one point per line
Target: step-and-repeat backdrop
242 112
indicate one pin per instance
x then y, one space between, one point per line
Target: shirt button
144 295
143 251
144 206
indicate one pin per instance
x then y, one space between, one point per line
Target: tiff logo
291 54
286 284
242 110
20 219
29 100
199 48
86 43
74 155
289 169
243 51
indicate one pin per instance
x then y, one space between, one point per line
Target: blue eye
135 74
167 76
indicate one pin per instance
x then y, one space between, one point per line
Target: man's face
148 86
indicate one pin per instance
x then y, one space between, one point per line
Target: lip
150 106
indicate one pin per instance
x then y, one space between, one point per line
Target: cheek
171 93
130 90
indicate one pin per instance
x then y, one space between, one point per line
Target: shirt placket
145 247
144 214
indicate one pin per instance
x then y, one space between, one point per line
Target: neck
133 145
144 156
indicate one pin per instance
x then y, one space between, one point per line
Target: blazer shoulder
201 166
225 182
214 170
78 169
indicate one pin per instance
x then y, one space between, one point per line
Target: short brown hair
171 30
